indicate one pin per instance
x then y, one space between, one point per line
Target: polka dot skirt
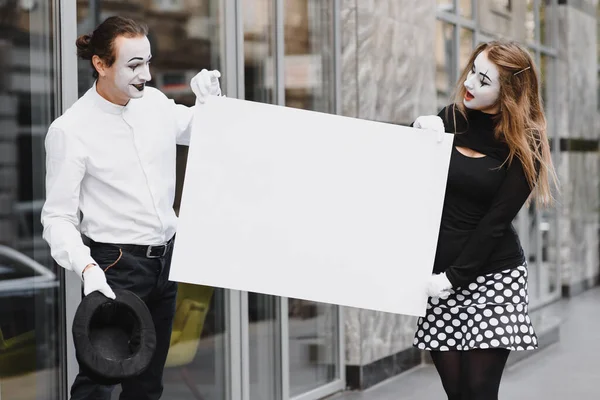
490 313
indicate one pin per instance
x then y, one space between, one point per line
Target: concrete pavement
569 369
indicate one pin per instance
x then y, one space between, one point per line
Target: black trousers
147 278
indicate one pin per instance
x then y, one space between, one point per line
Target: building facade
382 60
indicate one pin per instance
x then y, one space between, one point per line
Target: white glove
438 286
204 84
95 280
430 122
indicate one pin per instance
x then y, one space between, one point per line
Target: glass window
545 22
444 62
29 279
445 5
544 66
309 84
549 274
259 50
502 5
196 366
264 322
264 340
465 7
185 38
549 265
530 20
465 48
541 249
309 68
169 5
14 267
531 250
313 345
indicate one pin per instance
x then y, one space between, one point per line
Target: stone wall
381 39
578 163
388 75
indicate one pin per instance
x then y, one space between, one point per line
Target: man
111 156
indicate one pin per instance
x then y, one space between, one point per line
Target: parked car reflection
28 292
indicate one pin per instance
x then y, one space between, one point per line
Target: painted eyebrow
140 58
484 74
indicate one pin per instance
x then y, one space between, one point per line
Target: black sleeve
442 114
511 196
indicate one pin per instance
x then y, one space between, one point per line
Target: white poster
309 205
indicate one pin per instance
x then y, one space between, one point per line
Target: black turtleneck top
482 199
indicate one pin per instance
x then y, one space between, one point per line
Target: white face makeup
483 85
131 69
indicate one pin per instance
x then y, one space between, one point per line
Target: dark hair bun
101 41
84 47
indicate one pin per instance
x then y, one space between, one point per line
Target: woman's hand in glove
438 286
430 122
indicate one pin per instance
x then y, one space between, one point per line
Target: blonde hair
521 121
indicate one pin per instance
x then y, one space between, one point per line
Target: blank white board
309 205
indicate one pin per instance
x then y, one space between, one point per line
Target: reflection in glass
264 340
259 54
185 38
547 19
308 62
545 14
549 274
313 345
445 5
530 20
547 67
309 84
503 5
264 322
29 279
549 264
532 252
541 250
465 7
195 366
465 48
444 62
545 61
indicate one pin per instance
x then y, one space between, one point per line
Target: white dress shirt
115 164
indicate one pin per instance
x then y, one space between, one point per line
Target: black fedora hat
114 339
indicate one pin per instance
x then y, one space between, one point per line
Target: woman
477 311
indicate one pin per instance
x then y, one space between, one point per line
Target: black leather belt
148 251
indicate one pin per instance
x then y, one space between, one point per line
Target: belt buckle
150 248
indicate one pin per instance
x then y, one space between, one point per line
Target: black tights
471 375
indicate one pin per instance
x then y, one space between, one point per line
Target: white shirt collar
104 104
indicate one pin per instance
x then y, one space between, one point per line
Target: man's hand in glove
95 280
438 286
204 84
